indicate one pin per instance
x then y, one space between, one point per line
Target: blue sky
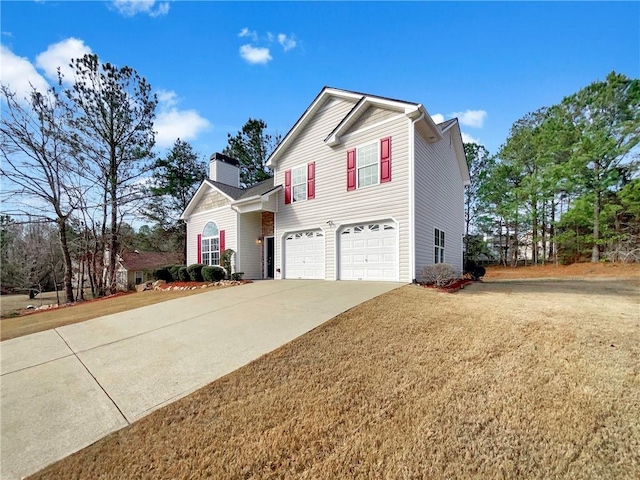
216 64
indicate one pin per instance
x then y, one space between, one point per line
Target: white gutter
412 197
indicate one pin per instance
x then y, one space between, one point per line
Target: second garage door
304 255
369 251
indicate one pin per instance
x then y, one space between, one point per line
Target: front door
269 256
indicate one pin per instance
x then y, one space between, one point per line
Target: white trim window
299 183
138 277
438 246
211 244
367 164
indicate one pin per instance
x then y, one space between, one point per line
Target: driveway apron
64 389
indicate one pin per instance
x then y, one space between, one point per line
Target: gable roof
137 261
234 194
414 111
458 146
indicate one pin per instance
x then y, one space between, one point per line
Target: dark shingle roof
444 125
239 193
137 261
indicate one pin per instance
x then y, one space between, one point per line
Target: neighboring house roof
137 261
415 111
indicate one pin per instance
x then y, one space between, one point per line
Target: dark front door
270 250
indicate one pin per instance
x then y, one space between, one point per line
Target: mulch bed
451 287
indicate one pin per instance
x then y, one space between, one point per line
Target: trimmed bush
195 272
183 274
173 269
163 273
226 260
439 274
213 273
237 276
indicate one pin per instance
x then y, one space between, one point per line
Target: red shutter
351 170
221 242
287 186
311 180
199 248
385 160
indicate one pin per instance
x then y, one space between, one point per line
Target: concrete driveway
64 389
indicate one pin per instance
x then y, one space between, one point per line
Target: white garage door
369 251
304 255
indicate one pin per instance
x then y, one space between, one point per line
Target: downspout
412 198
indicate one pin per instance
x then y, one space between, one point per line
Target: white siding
249 251
224 173
225 218
439 202
333 202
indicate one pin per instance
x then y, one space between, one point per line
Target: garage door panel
304 255
368 251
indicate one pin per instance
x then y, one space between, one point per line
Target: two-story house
364 188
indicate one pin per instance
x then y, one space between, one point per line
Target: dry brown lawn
505 379
47 319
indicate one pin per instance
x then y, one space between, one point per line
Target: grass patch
45 320
517 379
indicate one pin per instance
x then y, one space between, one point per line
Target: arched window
211 244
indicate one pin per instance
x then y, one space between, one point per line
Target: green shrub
183 274
163 273
213 273
237 276
173 269
225 260
195 272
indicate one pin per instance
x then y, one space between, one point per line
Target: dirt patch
506 379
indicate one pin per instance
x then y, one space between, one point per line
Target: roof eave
365 102
197 196
324 93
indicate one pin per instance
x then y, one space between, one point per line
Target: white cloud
255 54
466 138
437 118
287 42
167 98
129 8
172 123
19 74
60 55
471 118
245 32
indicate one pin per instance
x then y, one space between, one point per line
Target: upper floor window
211 244
367 160
438 242
299 183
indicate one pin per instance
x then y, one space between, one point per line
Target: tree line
79 162
564 186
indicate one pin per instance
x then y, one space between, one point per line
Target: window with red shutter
199 248
351 170
287 186
385 160
222 247
311 180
